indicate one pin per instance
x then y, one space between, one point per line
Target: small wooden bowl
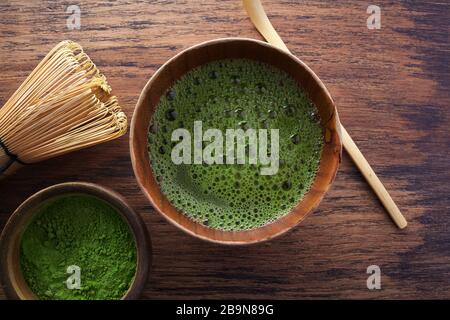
233 48
12 279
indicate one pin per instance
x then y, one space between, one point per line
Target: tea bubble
314 116
265 124
235 79
171 115
153 128
213 74
288 110
272 113
261 87
295 138
243 125
239 113
286 185
171 94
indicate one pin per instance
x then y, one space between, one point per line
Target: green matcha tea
78 234
233 94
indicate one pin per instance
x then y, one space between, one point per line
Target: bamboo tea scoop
260 20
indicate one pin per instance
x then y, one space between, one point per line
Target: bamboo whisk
64 105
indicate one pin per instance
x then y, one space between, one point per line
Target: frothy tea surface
230 94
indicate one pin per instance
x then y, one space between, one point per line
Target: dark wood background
391 87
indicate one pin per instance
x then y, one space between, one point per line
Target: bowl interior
234 48
13 280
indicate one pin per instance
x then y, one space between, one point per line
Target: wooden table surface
391 87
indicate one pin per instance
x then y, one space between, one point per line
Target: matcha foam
231 94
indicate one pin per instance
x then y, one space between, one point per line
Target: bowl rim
141 103
28 208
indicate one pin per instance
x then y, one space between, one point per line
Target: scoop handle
262 23
372 179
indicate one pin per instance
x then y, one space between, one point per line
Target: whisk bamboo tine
62 106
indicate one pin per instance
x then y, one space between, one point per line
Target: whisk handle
9 162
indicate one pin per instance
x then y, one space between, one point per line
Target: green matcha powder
82 231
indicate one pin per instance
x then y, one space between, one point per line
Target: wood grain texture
391 89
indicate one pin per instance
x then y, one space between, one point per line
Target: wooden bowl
228 48
12 279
